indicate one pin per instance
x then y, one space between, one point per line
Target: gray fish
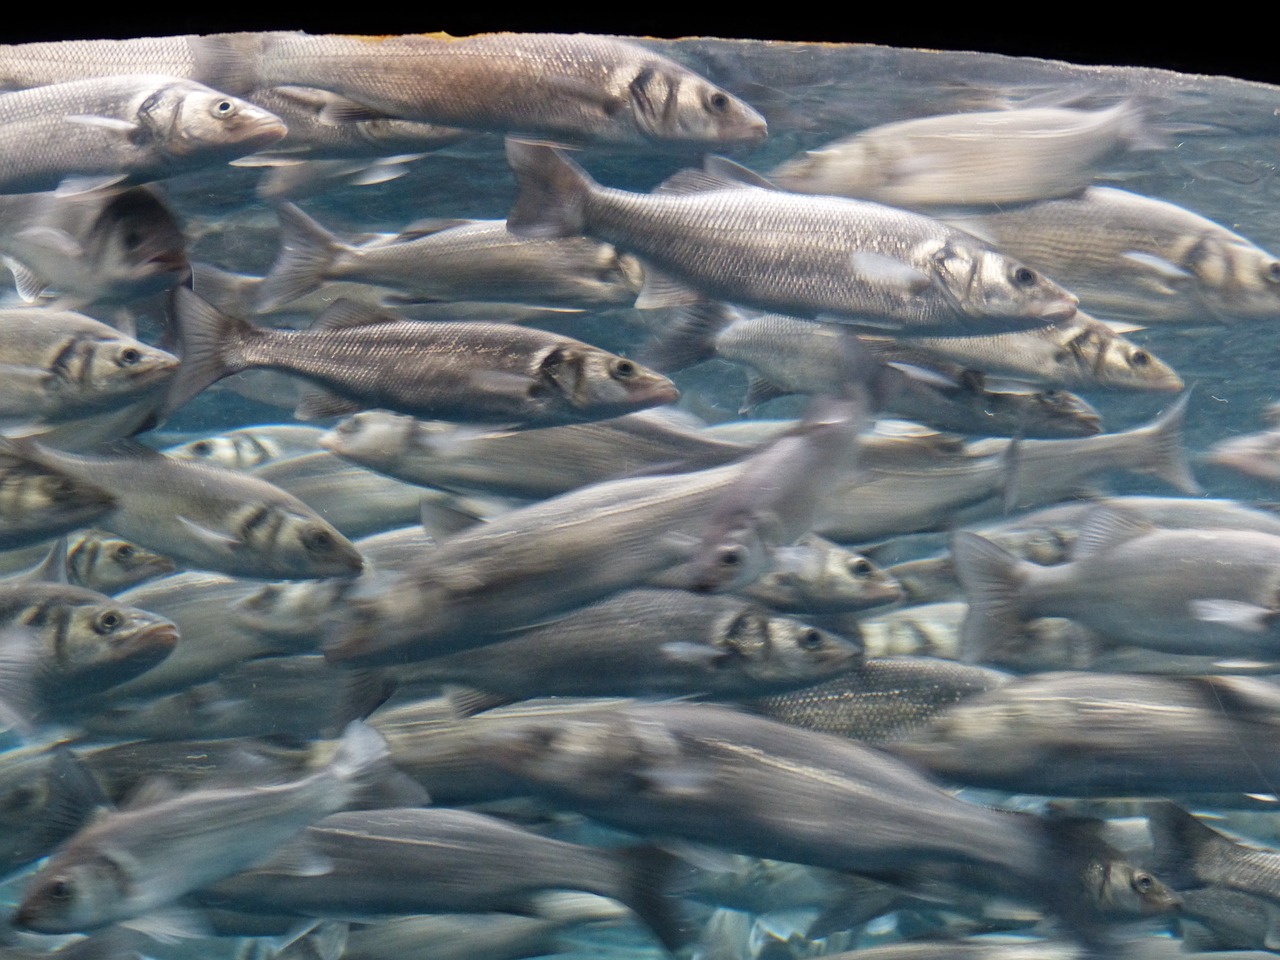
103 247
472 372
470 260
720 647
816 576
204 516
993 157
566 87
140 127
815 257
109 564
1138 257
38 502
130 862
250 447
1255 455
1192 854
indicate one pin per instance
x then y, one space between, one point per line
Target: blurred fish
134 861
109 564
1192 854
250 447
565 87
473 372
471 260
38 502
132 127
1255 455
816 576
203 515
820 258
1138 257
106 247
998 157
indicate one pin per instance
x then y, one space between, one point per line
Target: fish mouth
258 133
659 393
1063 308
162 638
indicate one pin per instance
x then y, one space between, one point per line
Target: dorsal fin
344 314
1106 527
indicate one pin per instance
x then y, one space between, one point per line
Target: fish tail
212 347
649 876
688 337
1179 843
307 255
228 62
362 764
553 191
1167 455
993 630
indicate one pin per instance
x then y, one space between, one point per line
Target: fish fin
688 337
80 185
1180 844
227 62
328 939
553 191
21 670
212 347
340 110
364 692
692 181
759 390
298 858
1165 454
362 764
115 124
75 797
52 241
1121 327
678 780
346 314
1105 528
210 538
660 290
318 404
428 227
171 925
53 568
27 282
467 701
889 271
383 170
732 172
1165 269
651 876
1249 617
154 790
692 654
991 577
307 254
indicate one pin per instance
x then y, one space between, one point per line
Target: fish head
238 450
1127 891
292 611
1232 276
375 435
120 366
732 554
136 247
819 576
106 643
982 283
74 891
799 653
593 383
309 547
189 119
845 168
105 562
669 103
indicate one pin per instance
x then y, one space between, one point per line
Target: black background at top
1221 39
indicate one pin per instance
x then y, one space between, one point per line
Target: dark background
1224 39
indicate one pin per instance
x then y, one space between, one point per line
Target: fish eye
130 355
202 448
623 370
1060 356
1273 271
730 557
223 109
1024 277
1139 358
861 567
57 486
122 552
21 798
317 541
107 621
1143 882
811 639
719 102
60 889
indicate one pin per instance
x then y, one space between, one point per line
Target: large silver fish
712 235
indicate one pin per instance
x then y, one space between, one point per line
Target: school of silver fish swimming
449 508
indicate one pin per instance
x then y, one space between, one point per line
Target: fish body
814 257
1128 255
472 372
566 87
992 157
142 127
250 447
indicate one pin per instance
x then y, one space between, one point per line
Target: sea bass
816 257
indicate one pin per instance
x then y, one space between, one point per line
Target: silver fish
816 576
566 87
469 260
250 447
485 373
995 157
815 257
140 127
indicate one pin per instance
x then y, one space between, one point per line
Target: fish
468 260
129 862
61 366
570 88
842 260
202 515
134 128
816 576
38 502
717 646
1193 854
472 372
250 447
1255 455
1138 257
987 157
104 248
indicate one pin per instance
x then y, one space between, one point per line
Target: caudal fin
212 344
307 253
993 630
1167 457
553 191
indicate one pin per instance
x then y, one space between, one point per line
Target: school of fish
561 495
